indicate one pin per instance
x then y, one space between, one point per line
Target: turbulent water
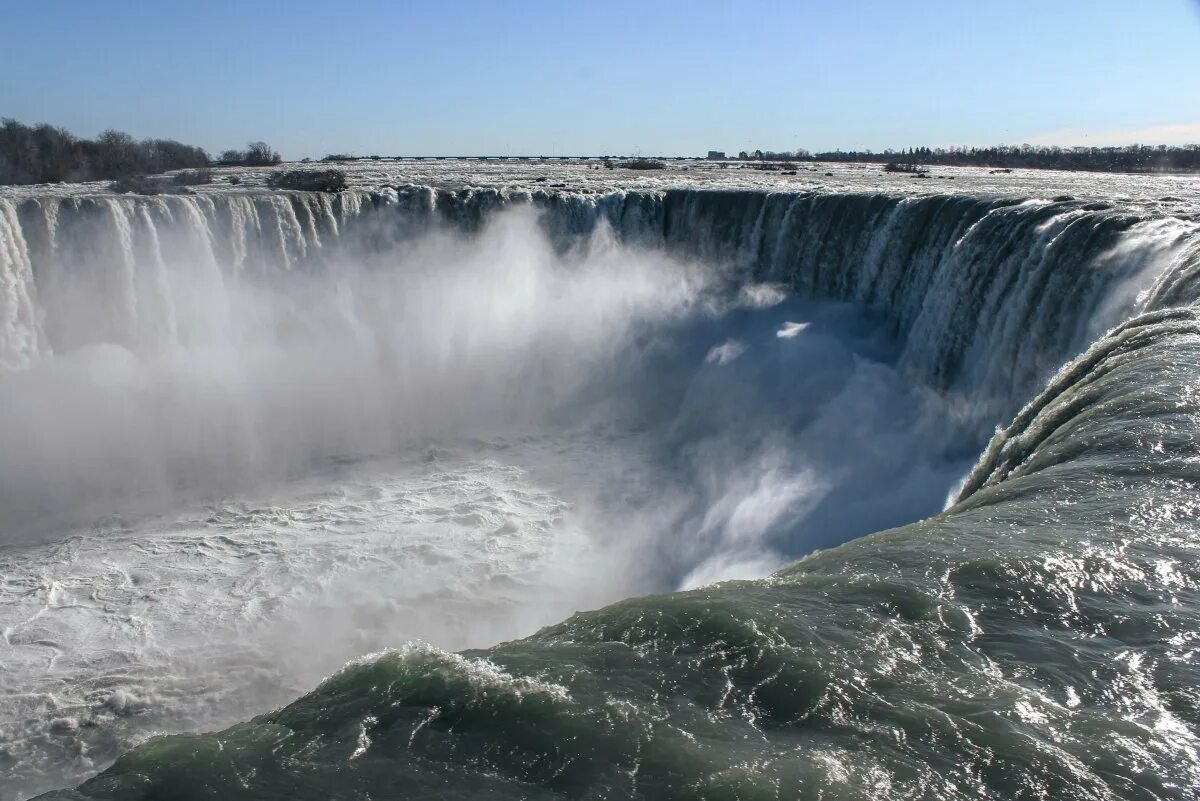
250 436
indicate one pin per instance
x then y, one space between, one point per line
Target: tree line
1129 158
42 154
256 154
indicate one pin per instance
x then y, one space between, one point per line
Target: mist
278 463
216 382
759 422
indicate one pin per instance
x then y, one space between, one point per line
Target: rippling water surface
249 437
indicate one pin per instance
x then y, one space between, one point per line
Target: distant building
716 154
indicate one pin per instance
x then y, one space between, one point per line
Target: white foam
791 330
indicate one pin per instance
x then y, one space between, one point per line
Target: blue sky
574 76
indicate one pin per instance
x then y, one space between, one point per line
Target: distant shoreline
44 154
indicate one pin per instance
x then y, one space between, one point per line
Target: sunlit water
249 438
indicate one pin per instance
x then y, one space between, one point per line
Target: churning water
248 437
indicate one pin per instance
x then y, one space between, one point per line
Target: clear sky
573 76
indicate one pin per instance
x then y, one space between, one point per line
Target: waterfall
20 330
651 390
988 294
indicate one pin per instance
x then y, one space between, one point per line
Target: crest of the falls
958 276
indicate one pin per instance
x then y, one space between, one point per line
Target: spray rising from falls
199 343
504 400
989 651
958 276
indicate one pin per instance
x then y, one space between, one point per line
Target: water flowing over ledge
985 291
1033 638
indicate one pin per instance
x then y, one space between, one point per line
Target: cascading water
458 415
20 339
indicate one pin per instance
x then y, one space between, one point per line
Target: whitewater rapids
250 436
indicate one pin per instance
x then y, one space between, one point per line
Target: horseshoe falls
460 484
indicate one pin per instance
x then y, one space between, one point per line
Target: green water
1038 640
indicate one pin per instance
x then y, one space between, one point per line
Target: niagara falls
488 432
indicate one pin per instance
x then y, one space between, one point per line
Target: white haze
263 377
458 439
